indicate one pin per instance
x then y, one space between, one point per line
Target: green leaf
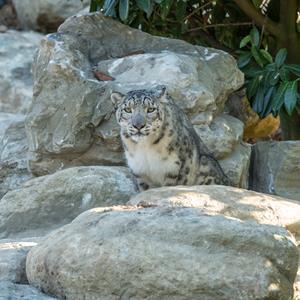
109 7
284 74
123 9
256 55
180 10
244 59
252 87
278 99
293 68
257 104
145 5
158 1
254 34
290 96
280 57
165 8
267 102
266 55
245 41
256 3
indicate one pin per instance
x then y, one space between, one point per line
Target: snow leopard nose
138 121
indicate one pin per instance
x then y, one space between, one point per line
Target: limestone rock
276 168
84 131
47 202
13 152
16 50
229 201
13 257
158 252
236 165
46 15
9 290
222 135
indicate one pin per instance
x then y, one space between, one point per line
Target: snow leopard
161 145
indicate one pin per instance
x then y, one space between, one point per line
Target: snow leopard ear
160 92
116 98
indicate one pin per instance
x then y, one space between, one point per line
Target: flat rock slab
12 291
163 252
229 201
50 201
13 257
276 168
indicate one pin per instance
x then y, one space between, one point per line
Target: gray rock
276 168
46 15
236 165
163 252
84 131
16 50
13 258
229 201
12 291
222 135
47 202
13 152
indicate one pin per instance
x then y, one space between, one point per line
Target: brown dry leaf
103 77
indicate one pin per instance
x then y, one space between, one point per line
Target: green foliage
191 20
271 84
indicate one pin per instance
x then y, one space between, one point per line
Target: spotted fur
161 145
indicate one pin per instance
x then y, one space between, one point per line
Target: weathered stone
236 165
229 201
12 291
13 257
13 152
276 168
163 252
84 131
46 15
16 51
222 135
8 16
47 202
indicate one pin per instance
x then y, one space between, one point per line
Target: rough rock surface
84 130
276 168
12 291
13 259
158 252
47 202
13 152
46 15
16 51
229 201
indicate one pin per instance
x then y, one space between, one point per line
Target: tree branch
249 9
220 25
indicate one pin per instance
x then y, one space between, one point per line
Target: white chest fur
151 161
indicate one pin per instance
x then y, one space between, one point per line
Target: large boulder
17 49
162 253
46 15
13 257
229 201
83 130
47 202
12 291
13 152
276 168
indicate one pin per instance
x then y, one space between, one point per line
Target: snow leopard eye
127 109
151 109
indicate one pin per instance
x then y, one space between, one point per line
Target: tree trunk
290 125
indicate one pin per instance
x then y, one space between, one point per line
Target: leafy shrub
271 84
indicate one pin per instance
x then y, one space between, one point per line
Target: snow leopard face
140 113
